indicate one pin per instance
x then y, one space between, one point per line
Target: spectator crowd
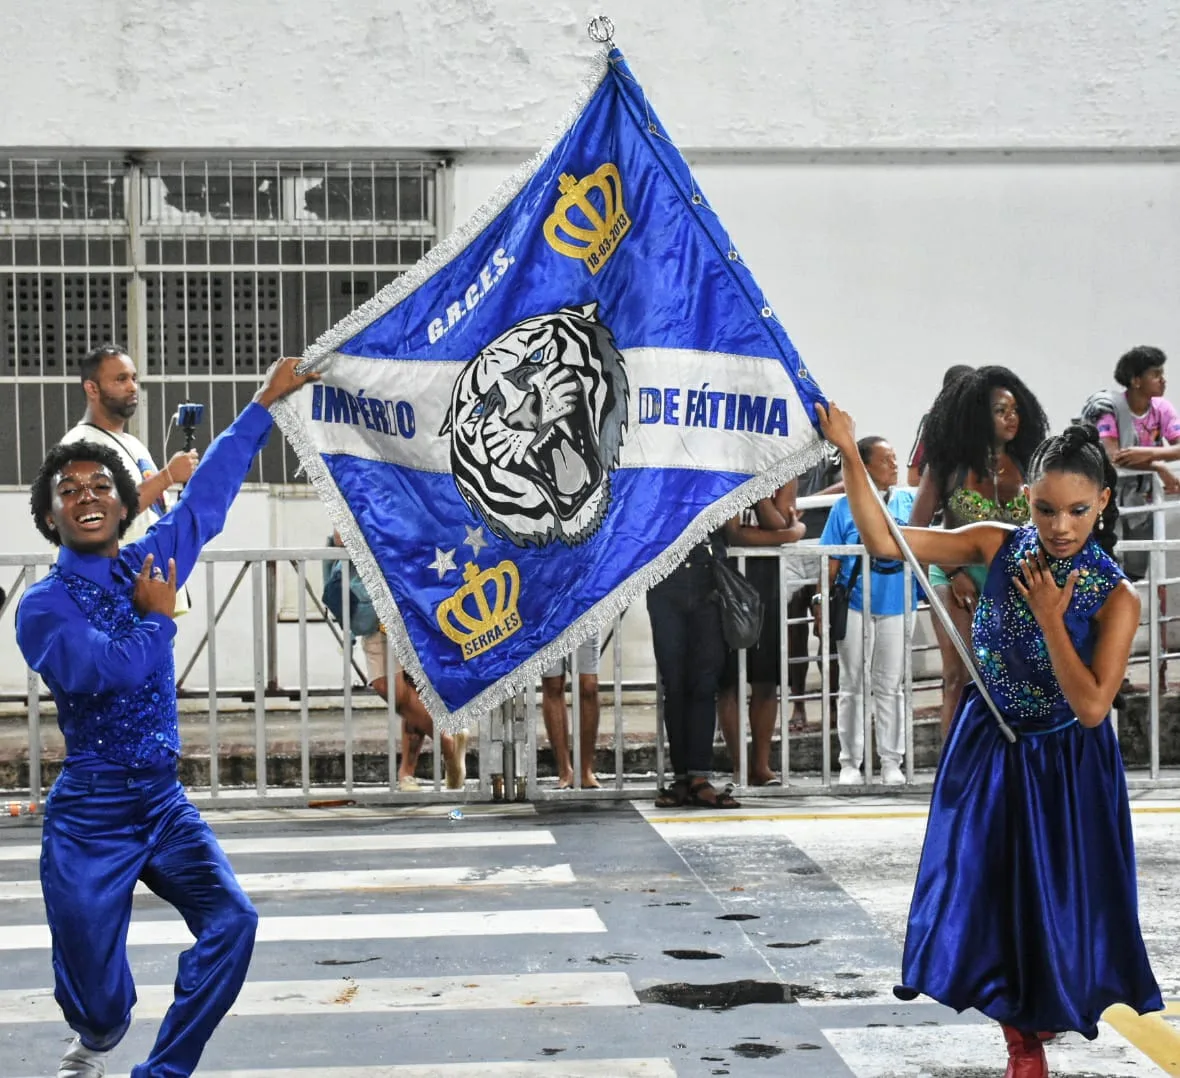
967 464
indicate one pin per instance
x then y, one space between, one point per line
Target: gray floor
798 903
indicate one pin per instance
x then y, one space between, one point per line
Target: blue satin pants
102 833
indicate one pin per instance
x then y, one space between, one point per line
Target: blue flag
525 432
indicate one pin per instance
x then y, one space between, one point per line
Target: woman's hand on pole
837 427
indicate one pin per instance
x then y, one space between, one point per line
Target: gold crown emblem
595 236
482 613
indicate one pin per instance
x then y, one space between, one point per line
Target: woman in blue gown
1025 905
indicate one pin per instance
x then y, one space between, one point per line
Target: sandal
673 796
698 795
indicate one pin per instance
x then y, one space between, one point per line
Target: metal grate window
207 270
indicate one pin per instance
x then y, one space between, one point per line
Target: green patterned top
971 507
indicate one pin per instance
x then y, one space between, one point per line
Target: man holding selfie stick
111 385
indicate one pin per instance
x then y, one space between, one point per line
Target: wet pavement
605 940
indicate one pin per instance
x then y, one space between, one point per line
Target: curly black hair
41 495
1078 449
960 431
1133 363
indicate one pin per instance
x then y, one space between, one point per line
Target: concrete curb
370 760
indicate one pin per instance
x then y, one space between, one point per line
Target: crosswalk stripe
390 879
567 1068
354 927
425 840
263 999
328 810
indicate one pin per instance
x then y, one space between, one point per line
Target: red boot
1026 1055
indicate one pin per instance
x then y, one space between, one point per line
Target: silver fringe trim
324 348
525 676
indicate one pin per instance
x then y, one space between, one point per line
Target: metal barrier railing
507 743
1156 584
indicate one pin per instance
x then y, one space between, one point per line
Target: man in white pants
886 630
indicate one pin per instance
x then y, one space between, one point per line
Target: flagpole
944 617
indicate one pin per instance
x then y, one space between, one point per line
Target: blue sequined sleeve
59 642
200 512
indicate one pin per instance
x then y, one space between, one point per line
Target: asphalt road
604 941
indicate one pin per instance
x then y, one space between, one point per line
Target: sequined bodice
970 507
1009 645
137 728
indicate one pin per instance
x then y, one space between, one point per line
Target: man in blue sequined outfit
99 630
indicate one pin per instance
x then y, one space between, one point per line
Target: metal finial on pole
601 30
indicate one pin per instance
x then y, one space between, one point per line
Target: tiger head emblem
536 423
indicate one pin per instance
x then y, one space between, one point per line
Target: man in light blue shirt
99 630
886 629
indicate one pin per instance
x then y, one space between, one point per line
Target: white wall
887 272
885 265
457 74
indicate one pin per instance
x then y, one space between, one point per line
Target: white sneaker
851 776
891 774
81 1062
456 764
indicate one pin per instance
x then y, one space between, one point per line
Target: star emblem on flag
475 540
444 562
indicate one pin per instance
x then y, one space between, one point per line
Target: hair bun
1078 435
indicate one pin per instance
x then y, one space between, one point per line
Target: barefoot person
553 711
417 725
1025 906
770 522
99 630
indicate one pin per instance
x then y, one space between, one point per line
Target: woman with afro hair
979 437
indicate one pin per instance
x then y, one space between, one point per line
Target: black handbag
740 604
838 596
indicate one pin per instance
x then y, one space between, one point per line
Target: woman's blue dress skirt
1025 906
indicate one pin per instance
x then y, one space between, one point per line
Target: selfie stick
943 615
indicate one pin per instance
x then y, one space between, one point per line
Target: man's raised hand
281 379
